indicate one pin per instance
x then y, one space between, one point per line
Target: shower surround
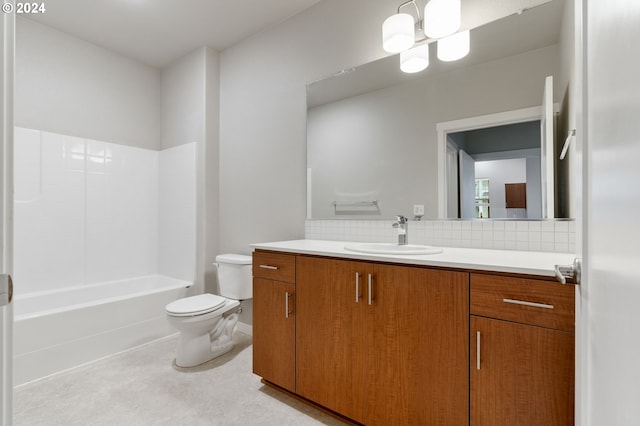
89 212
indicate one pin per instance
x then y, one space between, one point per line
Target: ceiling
156 32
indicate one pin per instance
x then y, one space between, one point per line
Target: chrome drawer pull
286 305
357 287
275 268
477 350
522 302
369 279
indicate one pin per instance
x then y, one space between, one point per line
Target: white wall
500 172
177 212
263 115
71 87
209 166
183 100
68 86
190 114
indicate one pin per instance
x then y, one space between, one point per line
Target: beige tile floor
142 387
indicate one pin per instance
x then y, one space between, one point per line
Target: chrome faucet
402 223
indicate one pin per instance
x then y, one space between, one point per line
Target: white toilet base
197 346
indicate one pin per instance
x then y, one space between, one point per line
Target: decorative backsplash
547 235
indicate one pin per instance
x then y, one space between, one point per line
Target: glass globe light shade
398 33
454 47
415 59
441 18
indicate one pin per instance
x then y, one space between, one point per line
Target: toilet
206 322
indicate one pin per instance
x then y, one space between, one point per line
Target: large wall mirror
380 141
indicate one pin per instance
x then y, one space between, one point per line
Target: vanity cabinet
383 344
274 318
522 351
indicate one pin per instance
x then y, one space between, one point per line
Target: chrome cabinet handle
287 295
357 287
525 303
369 279
275 268
477 350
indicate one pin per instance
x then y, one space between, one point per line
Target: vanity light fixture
441 18
398 32
454 47
401 32
415 59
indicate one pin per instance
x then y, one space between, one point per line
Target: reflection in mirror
498 169
372 139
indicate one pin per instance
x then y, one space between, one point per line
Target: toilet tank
235 276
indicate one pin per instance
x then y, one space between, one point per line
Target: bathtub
60 329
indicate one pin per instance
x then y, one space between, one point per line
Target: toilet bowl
206 322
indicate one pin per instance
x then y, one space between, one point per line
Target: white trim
507 155
7 62
471 123
244 328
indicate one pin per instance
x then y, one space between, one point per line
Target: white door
6 214
546 150
467 168
610 338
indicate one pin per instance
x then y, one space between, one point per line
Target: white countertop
510 261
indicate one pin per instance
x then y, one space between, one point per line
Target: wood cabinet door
417 347
330 334
274 332
515 195
520 374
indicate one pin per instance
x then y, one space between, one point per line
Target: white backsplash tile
547 235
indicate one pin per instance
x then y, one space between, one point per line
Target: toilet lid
238 259
195 305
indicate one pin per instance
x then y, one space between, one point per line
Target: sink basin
389 248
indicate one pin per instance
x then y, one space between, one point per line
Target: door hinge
6 289
572 272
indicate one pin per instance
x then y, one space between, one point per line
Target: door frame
7 47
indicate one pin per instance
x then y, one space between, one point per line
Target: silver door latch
569 271
6 289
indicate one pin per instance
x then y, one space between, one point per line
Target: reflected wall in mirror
372 139
497 169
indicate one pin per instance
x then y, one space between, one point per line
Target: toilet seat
195 305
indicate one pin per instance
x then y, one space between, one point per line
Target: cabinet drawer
274 266
535 302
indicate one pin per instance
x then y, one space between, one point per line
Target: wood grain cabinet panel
537 302
515 195
274 312
330 336
383 344
522 351
520 374
274 266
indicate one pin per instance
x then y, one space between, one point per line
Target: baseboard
311 403
244 328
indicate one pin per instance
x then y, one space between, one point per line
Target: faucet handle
401 219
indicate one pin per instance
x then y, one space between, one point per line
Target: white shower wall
88 211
